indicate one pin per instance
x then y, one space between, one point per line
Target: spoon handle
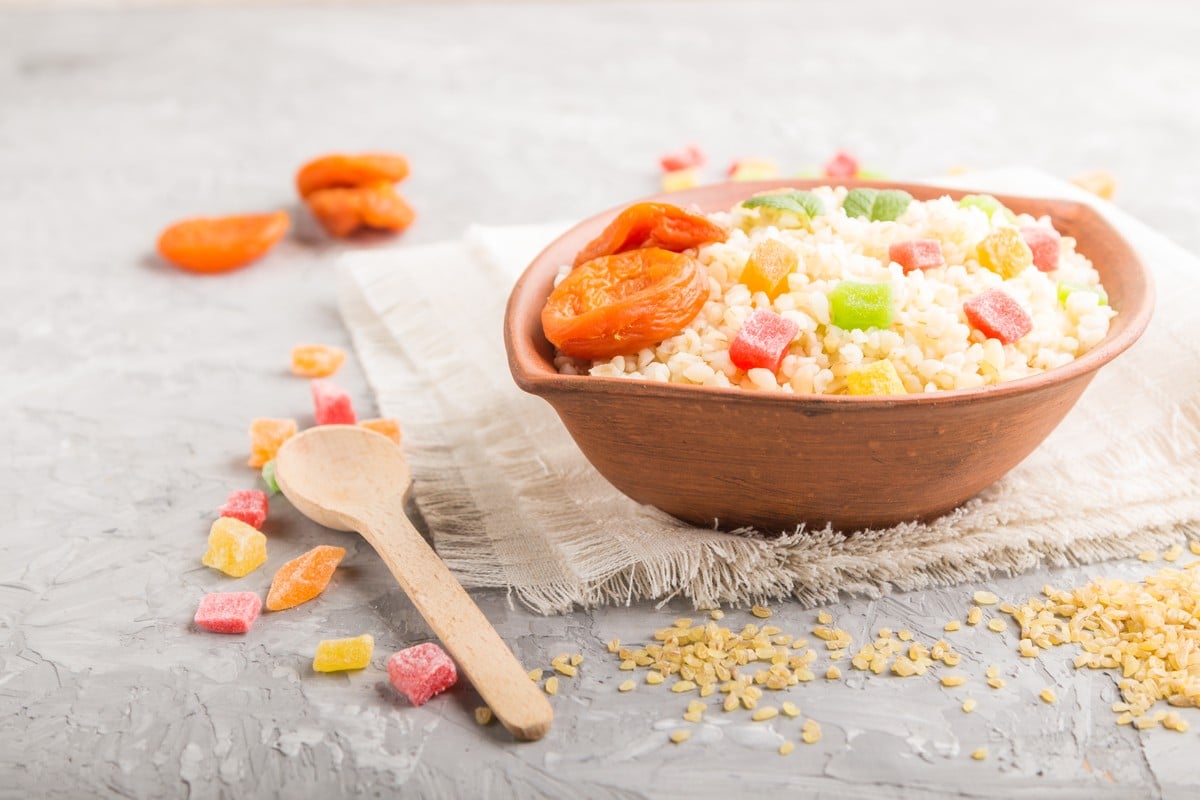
475 645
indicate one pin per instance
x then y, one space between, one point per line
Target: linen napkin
511 502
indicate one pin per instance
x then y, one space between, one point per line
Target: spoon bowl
349 478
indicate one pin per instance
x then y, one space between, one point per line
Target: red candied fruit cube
997 316
332 404
228 612
248 505
421 671
917 254
842 165
763 341
690 156
1044 244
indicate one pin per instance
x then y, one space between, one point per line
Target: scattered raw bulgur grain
552 685
697 707
1174 722
576 659
979 754
904 635
765 713
614 645
628 664
707 689
952 659
535 675
483 715
996 683
1194 546
983 598
680 736
787 747
1142 723
1125 719
885 633
683 622
975 615
810 732
626 686
717 614
997 625
790 709
654 678
833 673
992 671
731 702
566 669
693 716
969 705
824 617
1028 649
1006 608
1148 555
1048 696
1173 553
560 657
952 625
953 680
760 612
682 686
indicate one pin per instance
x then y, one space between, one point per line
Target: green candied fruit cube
861 305
268 477
1067 288
987 204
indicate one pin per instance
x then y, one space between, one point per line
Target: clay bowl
733 457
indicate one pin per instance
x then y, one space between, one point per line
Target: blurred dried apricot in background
219 244
343 211
341 171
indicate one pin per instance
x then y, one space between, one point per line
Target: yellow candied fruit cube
335 655
767 269
1004 252
234 547
679 179
316 360
386 426
754 169
1099 182
878 378
267 436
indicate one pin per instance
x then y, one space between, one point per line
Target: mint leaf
987 204
875 204
797 202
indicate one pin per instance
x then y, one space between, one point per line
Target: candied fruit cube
234 547
1003 251
842 165
267 436
998 316
268 477
332 404
762 341
680 179
248 505
336 655
228 612
421 671
917 254
316 360
304 577
861 305
769 265
1043 244
753 169
688 157
1067 288
388 426
1099 182
878 378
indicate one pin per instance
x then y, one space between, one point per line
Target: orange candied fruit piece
340 170
267 436
342 211
619 304
769 265
388 426
219 244
316 360
660 225
304 577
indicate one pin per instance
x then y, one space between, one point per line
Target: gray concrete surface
127 386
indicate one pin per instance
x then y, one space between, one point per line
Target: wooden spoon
350 478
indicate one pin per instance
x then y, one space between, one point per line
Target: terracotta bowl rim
535 375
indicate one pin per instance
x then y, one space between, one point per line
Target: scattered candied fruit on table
304 577
762 341
1099 182
856 305
345 210
877 378
338 655
421 671
341 171
842 165
680 179
917 254
219 244
228 612
332 404
316 360
753 169
267 436
268 477
767 269
998 316
1004 252
387 426
235 548
247 505
1043 244
619 304
652 225
687 158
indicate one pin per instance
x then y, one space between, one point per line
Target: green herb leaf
859 201
987 204
798 202
876 205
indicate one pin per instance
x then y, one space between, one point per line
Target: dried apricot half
343 211
339 170
659 225
620 303
219 244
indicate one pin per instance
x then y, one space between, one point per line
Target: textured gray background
127 385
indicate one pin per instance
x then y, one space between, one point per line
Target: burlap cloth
512 503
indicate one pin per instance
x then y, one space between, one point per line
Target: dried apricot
621 303
342 211
340 171
660 225
219 244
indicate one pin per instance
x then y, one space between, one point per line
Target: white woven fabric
511 502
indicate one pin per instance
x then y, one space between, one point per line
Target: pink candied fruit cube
332 404
1043 242
997 316
842 165
690 156
248 505
228 612
763 341
917 254
421 671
